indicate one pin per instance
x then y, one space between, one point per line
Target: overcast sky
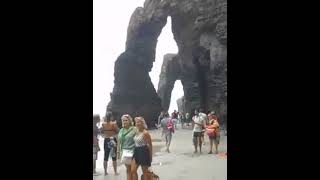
110 22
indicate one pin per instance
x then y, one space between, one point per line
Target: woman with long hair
142 155
126 143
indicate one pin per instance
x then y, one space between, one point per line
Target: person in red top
174 117
213 131
174 114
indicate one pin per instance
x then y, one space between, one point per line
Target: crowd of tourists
201 123
132 143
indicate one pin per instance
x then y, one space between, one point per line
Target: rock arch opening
200 31
177 101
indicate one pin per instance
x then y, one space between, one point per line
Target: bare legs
197 141
168 137
105 166
216 147
211 145
146 173
134 168
129 176
114 163
216 142
200 143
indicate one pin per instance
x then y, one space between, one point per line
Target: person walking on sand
142 155
168 129
198 123
174 117
188 119
126 143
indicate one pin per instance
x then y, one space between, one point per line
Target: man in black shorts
198 122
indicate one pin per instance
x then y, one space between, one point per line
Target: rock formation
170 72
180 104
200 31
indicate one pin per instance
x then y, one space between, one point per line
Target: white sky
110 22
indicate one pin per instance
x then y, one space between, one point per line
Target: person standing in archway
174 117
168 129
188 119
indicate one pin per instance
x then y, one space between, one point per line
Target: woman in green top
126 143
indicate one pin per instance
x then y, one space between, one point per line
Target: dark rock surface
200 31
133 92
180 104
170 72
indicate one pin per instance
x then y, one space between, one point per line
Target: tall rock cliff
200 31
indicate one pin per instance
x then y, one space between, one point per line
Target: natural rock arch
200 31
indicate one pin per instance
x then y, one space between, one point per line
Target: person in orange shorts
213 132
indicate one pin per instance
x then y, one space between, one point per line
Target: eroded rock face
180 104
170 72
133 91
200 31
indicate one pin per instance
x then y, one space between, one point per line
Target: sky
110 22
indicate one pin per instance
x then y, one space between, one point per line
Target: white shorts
126 160
128 156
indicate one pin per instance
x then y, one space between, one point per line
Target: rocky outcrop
200 31
170 72
180 104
